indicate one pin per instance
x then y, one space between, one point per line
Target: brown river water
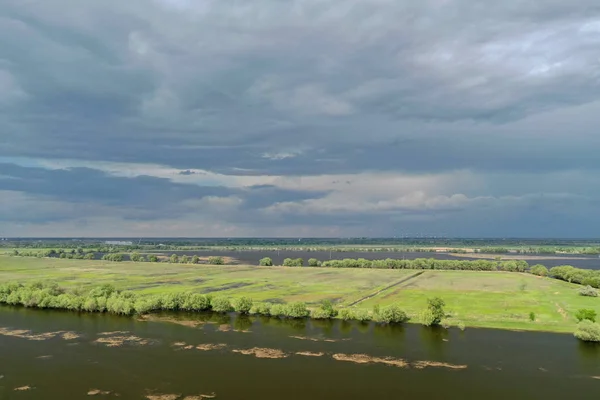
55 355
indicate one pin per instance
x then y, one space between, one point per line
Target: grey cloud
298 88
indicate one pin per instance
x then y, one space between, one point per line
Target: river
61 355
253 256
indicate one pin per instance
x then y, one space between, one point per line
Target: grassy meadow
479 299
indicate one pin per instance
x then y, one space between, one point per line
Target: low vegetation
588 331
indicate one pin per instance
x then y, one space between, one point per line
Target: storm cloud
299 118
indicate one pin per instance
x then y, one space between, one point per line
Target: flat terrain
479 299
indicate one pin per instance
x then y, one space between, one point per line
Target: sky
300 118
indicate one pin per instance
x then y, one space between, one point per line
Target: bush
221 305
174 258
436 307
135 257
460 325
216 260
327 309
262 309
278 310
319 313
147 304
538 270
152 258
427 318
266 262
585 314
346 314
243 305
362 315
588 331
532 316
194 302
392 315
588 291
195 259
313 262
184 259
293 262
297 310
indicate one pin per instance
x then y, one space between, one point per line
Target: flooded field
62 355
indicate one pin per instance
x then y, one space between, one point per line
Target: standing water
60 355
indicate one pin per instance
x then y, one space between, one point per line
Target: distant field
479 299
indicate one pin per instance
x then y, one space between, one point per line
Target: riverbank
478 299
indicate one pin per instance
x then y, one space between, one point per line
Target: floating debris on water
207 347
309 354
366 359
263 352
437 364
96 392
116 341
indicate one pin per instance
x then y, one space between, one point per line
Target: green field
479 299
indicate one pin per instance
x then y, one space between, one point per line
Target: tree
135 257
221 305
313 262
216 260
266 262
436 307
184 259
392 315
584 313
588 331
174 258
242 305
152 258
195 259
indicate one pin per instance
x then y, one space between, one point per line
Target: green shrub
427 318
194 302
346 314
147 304
174 258
171 301
266 262
362 315
243 305
216 260
539 270
392 315
319 313
195 259
278 310
588 291
313 262
152 258
135 257
293 262
221 305
532 316
184 259
262 309
297 310
460 325
327 309
588 331
436 306
585 314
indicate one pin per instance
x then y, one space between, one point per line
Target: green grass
479 299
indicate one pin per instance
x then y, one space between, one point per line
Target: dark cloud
297 89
